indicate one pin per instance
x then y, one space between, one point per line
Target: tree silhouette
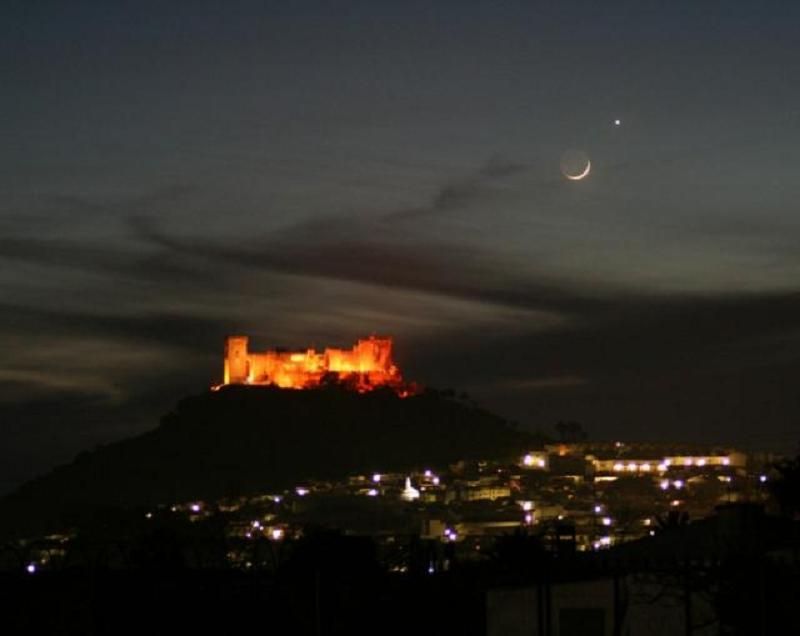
786 487
673 520
570 431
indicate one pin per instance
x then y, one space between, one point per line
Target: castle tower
236 362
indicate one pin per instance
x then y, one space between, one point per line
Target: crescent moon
578 177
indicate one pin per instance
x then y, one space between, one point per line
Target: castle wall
369 363
293 369
372 355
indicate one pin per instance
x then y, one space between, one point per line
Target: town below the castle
576 497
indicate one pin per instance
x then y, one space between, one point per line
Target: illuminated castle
366 366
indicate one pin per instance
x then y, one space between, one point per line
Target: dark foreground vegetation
327 583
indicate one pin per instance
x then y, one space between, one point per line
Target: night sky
311 172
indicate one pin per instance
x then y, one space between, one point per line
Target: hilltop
241 440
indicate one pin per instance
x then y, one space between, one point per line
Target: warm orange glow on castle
366 366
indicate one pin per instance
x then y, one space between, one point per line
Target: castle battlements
366 366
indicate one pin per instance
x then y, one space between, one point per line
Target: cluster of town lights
434 479
276 534
602 542
632 467
661 470
533 461
665 464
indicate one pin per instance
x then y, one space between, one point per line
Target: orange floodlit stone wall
366 366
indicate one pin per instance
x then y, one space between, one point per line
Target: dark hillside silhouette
243 440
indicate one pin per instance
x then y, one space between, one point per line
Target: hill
242 440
